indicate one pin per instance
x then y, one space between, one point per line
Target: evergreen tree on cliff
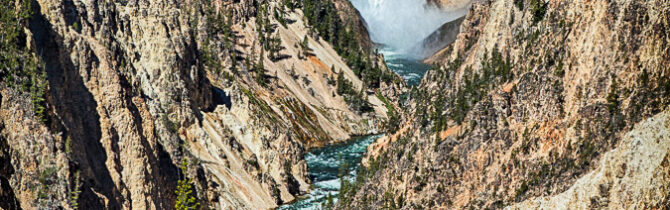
185 197
260 70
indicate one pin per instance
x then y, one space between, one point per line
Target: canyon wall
449 4
438 40
537 104
122 91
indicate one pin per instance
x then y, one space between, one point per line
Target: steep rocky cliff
100 101
438 40
537 104
449 4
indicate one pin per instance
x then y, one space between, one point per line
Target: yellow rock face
449 5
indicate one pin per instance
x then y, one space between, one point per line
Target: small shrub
75 26
613 96
73 198
68 146
171 126
538 10
521 190
186 199
519 4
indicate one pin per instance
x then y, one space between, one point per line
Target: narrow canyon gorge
334 104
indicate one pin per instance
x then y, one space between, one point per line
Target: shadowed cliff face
106 86
7 195
76 106
135 87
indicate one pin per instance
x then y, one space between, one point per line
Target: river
411 70
324 165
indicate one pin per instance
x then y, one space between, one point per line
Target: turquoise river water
324 163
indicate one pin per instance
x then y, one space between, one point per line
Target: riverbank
324 166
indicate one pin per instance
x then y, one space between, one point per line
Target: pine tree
305 46
233 64
18 65
290 5
228 35
341 84
279 16
260 70
293 74
73 198
275 46
37 92
185 198
613 96
247 62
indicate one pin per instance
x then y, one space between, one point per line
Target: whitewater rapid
324 167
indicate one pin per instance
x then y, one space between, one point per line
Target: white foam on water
329 185
395 65
412 76
402 24
322 160
330 158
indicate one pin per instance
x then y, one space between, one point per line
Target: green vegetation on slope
495 70
19 68
354 98
537 8
394 121
326 23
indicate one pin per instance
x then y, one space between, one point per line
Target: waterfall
402 24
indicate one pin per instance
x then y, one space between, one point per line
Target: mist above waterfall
402 24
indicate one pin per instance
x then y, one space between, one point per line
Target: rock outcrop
634 175
352 17
135 87
439 39
449 4
535 105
